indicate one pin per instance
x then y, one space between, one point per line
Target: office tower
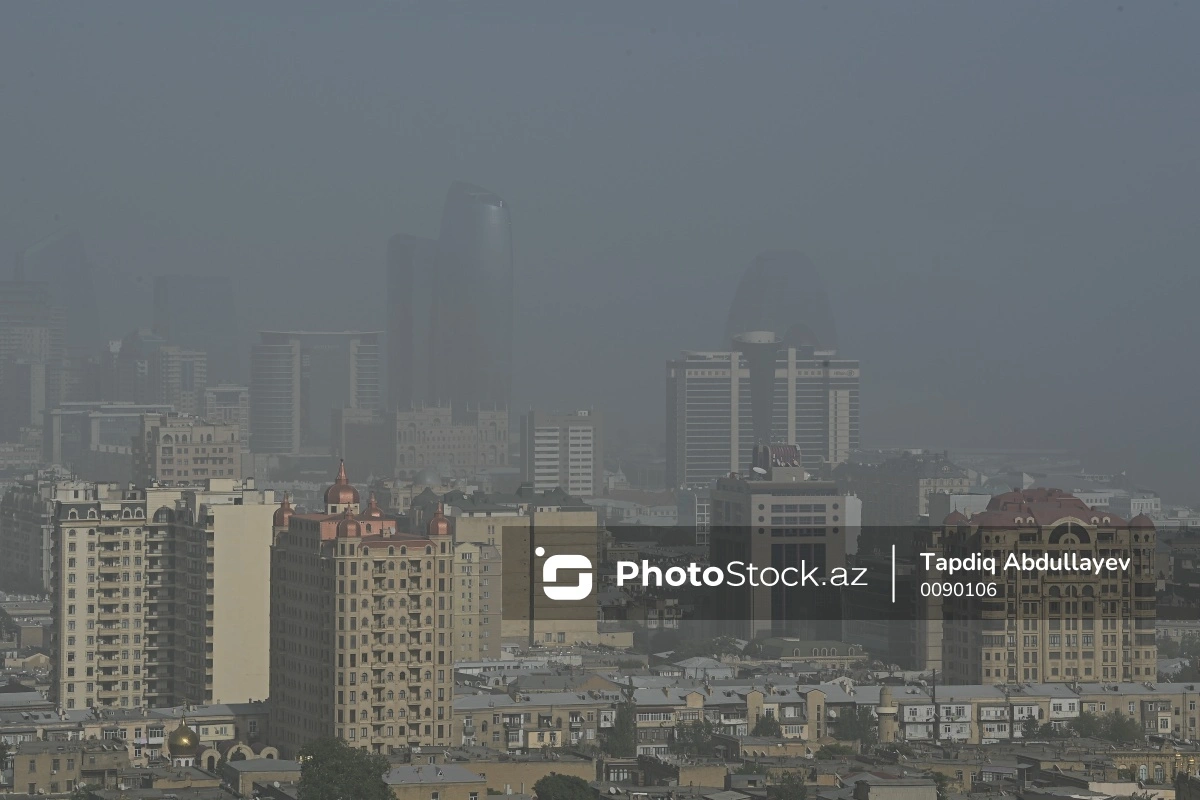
95 440
151 370
473 302
32 352
160 595
710 411
411 262
1058 623
783 292
230 403
362 636
297 378
175 450
695 511
455 444
563 450
200 313
367 439
26 528
61 262
778 518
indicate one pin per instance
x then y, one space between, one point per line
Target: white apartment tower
563 450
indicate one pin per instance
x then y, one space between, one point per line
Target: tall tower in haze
471 355
410 271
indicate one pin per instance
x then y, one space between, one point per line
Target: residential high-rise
199 312
95 439
362 627
473 302
778 518
151 370
160 595
230 403
1053 624
411 263
710 411
297 378
176 450
563 450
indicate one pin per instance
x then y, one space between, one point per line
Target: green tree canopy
620 741
787 786
859 725
562 787
694 739
767 726
330 769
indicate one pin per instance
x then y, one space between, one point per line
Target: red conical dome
341 493
283 514
348 526
439 524
373 509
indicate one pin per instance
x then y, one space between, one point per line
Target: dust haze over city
464 255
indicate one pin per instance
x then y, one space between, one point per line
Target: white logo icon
567 561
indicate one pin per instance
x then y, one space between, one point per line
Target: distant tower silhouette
782 291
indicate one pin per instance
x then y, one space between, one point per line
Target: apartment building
41 768
138 618
177 450
523 723
480 585
1057 624
26 528
362 627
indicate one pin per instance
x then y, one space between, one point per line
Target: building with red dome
362 627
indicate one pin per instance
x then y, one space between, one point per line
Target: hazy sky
1003 197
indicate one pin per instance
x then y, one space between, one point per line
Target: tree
767 726
787 786
694 739
859 725
1088 725
1116 727
942 783
330 769
1030 727
4 752
831 751
562 787
620 741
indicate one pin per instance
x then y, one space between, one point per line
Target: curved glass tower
782 291
473 322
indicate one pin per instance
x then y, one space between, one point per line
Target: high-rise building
779 518
895 488
410 284
199 312
480 576
362 627
473 302
160 595
151 370
175 450
1058 623
711 410
783 292
26 533
32 351
297 378
230 403
563 450
61 261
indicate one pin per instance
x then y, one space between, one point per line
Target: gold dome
341 493
183 741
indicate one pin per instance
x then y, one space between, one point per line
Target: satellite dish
759 471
